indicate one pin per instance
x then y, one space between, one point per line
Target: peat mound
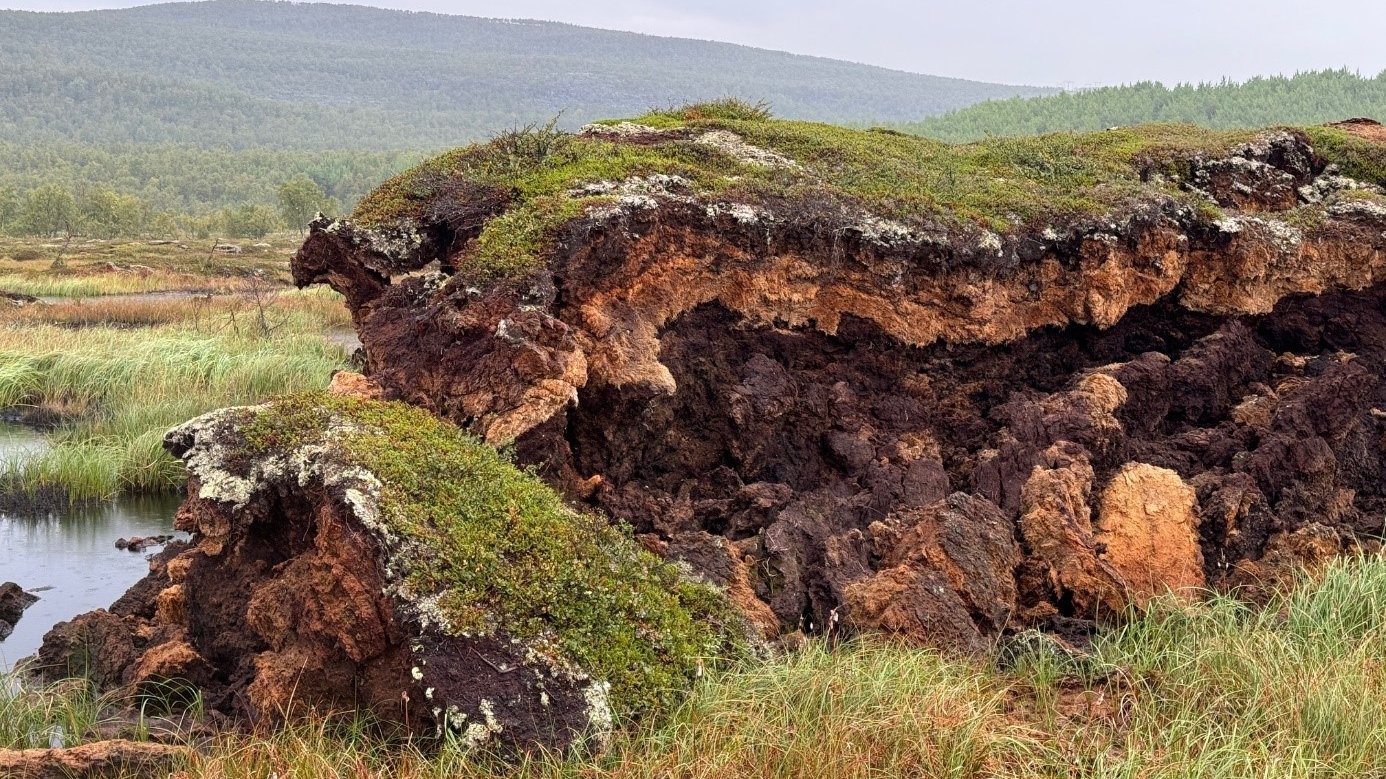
871 382
351 554
859 381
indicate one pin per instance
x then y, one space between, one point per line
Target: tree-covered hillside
244 73
159 190
1302 99
179 179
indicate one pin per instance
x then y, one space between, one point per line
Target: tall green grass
122 388
1223 689
72 711
1203 691
30 717
1198 691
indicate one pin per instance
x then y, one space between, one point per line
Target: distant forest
1303 99
246 73
195 114
163 189
195 117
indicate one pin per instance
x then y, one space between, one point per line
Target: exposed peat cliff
857 380
867 381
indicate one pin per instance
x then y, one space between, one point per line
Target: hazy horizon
1077 44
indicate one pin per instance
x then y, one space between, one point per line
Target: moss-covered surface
501 552
1358 157
1003 183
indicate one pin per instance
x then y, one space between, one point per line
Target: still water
69 555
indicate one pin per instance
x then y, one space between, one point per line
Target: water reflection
69 556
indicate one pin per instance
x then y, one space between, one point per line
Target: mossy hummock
350 554
481 547
508 200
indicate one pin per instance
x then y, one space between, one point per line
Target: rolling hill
247 73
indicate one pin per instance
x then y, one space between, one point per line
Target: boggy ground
130 338
1151 361
83 267
863 399
1207 690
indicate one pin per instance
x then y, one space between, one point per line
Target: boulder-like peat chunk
866 381
353 553
13 601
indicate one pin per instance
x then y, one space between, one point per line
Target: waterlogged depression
68 556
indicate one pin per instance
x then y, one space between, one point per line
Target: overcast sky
1057 42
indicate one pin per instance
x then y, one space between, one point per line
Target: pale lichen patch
1358 207
599 715
742 213
620 130
737 148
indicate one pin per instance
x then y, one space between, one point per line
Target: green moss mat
999 183
492 547
523 186
1358 157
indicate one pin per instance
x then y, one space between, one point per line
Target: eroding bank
868 382
857 383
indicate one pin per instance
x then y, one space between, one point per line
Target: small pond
68 556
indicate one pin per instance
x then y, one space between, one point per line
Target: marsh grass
121 359
1208 690
1204 691
71 711
31 716
293 310
865 709
1224 689
56 268
118 388
94 284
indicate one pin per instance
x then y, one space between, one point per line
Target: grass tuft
30 717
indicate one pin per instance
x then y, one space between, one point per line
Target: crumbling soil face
1114 479
282 605
947 439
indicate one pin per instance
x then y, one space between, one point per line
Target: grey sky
1060 42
